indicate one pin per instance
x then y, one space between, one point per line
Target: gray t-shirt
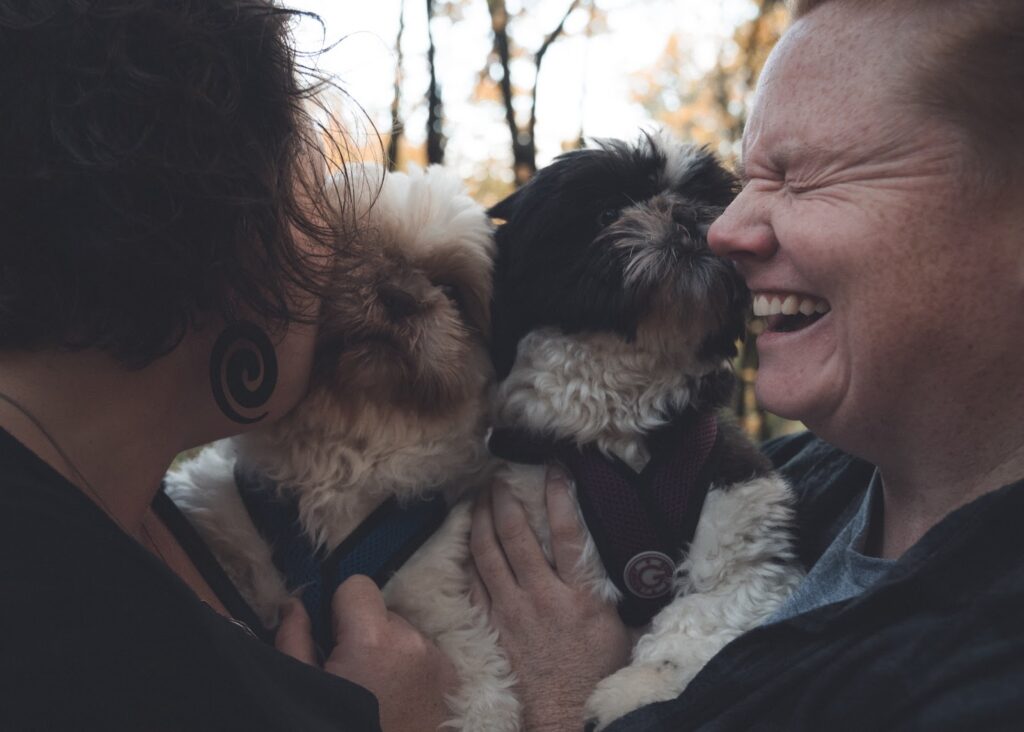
843 571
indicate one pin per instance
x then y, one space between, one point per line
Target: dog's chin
695 313
673 332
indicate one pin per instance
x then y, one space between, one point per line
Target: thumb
294 635
358 608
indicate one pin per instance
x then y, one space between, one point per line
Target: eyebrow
783 156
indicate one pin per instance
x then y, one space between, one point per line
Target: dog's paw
631 688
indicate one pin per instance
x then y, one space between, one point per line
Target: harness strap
378 547
643 522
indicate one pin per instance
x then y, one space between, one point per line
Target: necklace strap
78 473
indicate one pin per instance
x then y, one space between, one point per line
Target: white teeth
765 305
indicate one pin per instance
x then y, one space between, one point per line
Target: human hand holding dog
380 651
561 639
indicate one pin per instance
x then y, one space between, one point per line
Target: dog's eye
608 217
453 294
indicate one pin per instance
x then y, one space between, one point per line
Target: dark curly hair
154 171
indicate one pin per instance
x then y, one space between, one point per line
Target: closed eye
453 294
450 292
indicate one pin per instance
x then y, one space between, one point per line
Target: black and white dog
612 324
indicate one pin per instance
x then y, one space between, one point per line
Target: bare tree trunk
522 165
524 146
396 102
435 110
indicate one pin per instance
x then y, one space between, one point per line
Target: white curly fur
591 388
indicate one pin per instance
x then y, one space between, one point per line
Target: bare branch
553 35
524 147
537 60
396 102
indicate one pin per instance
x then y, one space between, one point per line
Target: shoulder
828 485
107 640
98 634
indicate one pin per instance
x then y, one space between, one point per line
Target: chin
613 325
793 386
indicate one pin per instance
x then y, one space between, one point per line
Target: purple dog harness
642 522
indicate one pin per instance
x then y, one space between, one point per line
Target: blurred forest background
497 88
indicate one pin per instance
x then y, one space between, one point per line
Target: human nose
743 231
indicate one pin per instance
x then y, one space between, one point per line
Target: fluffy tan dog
397 408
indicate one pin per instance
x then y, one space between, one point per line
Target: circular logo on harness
649 575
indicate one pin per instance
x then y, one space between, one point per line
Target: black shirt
97 634
938 644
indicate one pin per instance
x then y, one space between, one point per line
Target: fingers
523 550
294 635
567 534
357 608
382 652
478 594
491 564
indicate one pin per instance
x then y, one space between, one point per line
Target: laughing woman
883 162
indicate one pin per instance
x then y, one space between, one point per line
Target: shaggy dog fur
397 407
611 317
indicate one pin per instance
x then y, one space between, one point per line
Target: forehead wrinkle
791 153
878 155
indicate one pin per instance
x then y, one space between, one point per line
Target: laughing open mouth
786 313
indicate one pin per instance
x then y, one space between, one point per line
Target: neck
119 429
926 480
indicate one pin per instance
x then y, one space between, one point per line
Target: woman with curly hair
162 257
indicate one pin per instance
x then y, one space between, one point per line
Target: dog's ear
508 321
507 207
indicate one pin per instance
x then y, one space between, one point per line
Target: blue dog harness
642 522
378 547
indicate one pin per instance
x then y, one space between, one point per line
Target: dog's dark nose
398 302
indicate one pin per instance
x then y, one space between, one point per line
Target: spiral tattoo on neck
243 371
